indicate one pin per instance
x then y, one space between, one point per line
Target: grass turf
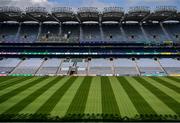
106 95
78 103
109 104
169 101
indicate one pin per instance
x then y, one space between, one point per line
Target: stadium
88 64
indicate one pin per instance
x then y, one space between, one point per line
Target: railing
113 9
9 9
139 9
62 10
166 9
88 9
36 9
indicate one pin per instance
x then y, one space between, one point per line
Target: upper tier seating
70 33
49 33
173 31
8 33
28 33
155 33
94 33
91 34
112 34
133 34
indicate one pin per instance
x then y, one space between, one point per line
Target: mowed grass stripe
34 106
109 103
139 102
177 79
62 106
2 87
12 93
11 88
169 101
20 96
6 79
171 93
125 105
78 103
2 79
175 88
26 101
177 84
158 106
49 105
9 81
94 104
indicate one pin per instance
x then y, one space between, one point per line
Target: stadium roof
65 14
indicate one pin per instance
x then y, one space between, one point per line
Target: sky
90 3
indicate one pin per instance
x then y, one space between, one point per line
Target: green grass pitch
60 96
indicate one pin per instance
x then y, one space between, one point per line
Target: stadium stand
8 33
8 64
49 67
173 29
100 67
129 33
70 33
28 33
112 33
155 33
49 33
63 25
65 68
81 65
171 66
134 33
28 66
149 67
125 67
90 33
93 67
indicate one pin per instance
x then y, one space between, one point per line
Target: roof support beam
77 18
54 17
30 16
144 19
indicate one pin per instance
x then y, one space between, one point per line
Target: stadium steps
137 68
123 33
72 67
18 32
113 69
39 31
60 63
165 32
16 66
40 67
88 68
144 33
162 67
69 71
